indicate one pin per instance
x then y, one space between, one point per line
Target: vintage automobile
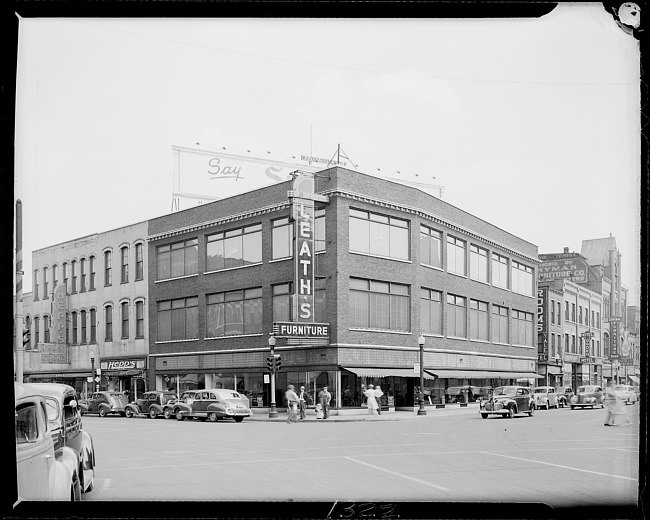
104 403
186 397
588 395
65 424
545 396
40 474
507 401
150 403
564 395
626 393
213 404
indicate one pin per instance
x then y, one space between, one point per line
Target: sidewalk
385 416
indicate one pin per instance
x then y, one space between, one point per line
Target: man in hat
303 399
292 403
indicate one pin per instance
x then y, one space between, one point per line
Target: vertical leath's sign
302 210
56 351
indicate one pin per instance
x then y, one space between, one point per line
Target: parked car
104 403
150 403
508 401
65 424
214 404
626 393
545 396
461 394
40 474
186 397
564 395
588 395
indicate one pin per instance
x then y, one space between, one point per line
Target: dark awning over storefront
57 375
634 379
480 374
386 372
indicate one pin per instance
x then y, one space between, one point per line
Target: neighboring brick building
98 286
391 263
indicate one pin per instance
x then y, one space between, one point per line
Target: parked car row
210 403
55 457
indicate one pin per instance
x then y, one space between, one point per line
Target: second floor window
522 328
46 329
83 327
55 279
379 305
93 326
75 336
499 324
431 311
36 286
108 323
430 247
178 259
37 331
139 319
379 235
139 262
125 320
478 320
456 316
281 302
552 312
559 313
65 276
234 313
178 319
234 248
124 254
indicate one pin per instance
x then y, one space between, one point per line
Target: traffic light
270 363
27 337
278 362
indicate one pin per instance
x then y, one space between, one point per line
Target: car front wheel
152 413
128 412
511 413
484 415
179 416
102 412
239 419
167 413
212 416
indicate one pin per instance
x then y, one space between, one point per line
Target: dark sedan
507 401
150 403
104 403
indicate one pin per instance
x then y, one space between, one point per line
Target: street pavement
398 415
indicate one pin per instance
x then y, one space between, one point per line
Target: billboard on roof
563 267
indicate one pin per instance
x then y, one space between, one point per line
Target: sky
530 124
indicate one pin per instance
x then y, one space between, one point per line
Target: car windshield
52 409
585 389
168 397
540 391
506 390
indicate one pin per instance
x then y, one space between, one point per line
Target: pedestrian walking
620 409
324 398
303 400
292 403
378 395
609 399
372 401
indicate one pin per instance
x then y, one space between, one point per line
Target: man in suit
303 400
324 398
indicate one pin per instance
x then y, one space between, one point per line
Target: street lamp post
421 410
92 371
273 412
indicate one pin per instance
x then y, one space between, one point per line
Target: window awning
386 372
480 374
634 379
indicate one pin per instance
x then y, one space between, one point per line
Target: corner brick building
392 264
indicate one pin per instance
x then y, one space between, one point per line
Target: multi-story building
396 271
87 310
631 346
